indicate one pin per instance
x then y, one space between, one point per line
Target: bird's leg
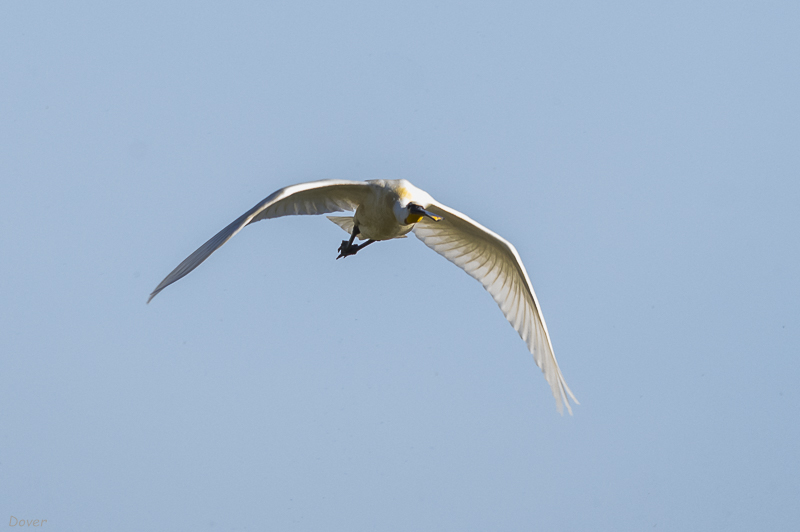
348 248
362 246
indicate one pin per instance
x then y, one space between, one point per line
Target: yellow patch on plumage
403 193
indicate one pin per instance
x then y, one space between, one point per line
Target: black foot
347 249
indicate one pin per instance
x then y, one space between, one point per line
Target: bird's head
412 213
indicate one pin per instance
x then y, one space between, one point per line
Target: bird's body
375 216
388 209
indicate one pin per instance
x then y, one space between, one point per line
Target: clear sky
643 158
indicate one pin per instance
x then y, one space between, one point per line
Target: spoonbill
387 209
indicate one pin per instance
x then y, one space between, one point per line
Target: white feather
492 260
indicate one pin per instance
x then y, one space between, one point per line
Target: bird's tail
345 222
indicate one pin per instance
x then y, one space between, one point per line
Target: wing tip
563 394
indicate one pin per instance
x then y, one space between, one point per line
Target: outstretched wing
317 197
494 262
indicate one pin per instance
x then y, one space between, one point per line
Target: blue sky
642 158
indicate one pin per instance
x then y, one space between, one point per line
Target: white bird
387 209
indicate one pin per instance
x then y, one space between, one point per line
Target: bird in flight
387 209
